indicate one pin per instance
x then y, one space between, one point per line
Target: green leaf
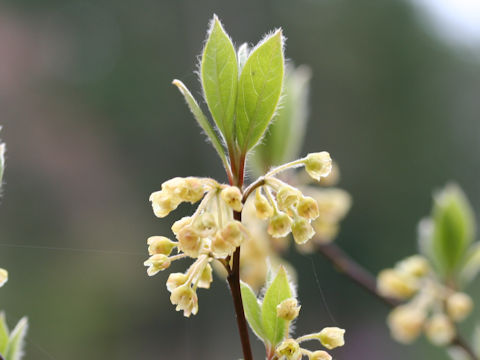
202 120
454 228
471 267
275 328
3 333
259 91
252 310
219 75
15 344
283 140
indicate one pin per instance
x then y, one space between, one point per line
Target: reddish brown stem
233 277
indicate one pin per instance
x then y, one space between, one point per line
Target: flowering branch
358 274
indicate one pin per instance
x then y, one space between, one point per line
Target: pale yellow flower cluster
329 337
432 308
210 233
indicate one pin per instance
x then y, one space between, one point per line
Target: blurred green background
93 125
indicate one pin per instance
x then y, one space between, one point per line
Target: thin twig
353 270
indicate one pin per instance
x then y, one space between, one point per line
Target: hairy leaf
259 91
202 120
252 310
274 327
453 228
283 140
219 74
242 55
15 344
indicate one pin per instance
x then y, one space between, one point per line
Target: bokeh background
93 125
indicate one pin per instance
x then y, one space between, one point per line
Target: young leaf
274 327
453 228
471 267
3 333
252 310
242 55
284 138
259 91
15 344
202 120
219 74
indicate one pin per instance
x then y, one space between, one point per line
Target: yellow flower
302 231
332 337
175 280
189 242
160 245
232 197
263 208
156 263
287 197
280 225
440 330
459 306
185 299
416 266
318 165
205 278
405 323
289 349
307 207
396 284
163 203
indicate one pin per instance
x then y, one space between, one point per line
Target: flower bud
302 231
288 309
405 323
332 337
319 355
175 280
280 225
205 278
393 283
185 299
189 242
440 330
307 207
180 224
318 165
163 203
156 263
3 276
459 306
287 197
160 245
289 349
415 266
263 208
205 225
232 197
